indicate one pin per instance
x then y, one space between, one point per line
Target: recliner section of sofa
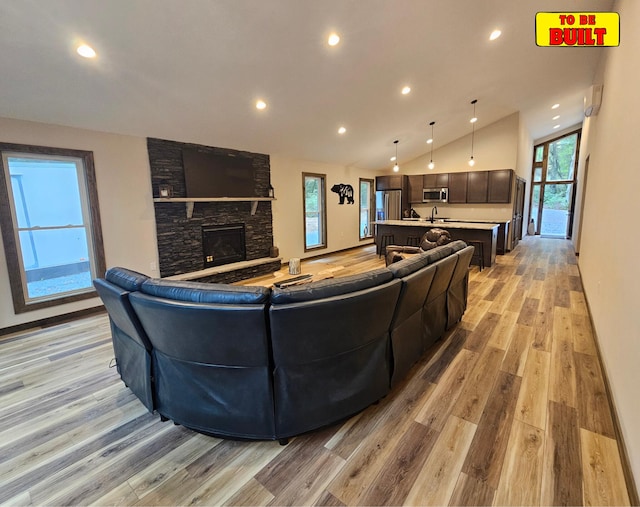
210 356
330 349
131 345
420 315
260 363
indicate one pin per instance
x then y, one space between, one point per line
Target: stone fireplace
181 239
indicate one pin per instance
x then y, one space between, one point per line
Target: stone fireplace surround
180 248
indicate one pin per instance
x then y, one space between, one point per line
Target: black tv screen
218 175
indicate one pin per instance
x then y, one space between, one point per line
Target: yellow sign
585 29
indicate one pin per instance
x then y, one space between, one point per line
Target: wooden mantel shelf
190 201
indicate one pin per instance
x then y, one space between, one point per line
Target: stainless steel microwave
435 194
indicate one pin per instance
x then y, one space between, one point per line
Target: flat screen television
218 175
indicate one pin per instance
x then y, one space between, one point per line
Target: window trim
372 206
323 197
543 180
20 301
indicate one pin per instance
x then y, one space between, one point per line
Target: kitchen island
466 231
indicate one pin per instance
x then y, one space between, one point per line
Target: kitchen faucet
435 208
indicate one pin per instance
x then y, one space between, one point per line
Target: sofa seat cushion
330 287
125 278
199 292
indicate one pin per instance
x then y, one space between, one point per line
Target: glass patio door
552 189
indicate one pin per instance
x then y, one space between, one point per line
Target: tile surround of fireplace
180 239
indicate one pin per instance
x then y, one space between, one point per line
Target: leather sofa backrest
413 294
330 287
199 292
126 278
331 356
442 278
225 334
415 262
458 288
114 291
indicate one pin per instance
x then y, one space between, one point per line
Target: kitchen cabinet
500 186
415 188
432 180
391 182
458 188
477 186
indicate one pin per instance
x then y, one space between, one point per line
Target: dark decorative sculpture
344 191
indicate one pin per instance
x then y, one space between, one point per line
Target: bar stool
385 240
413 240
478 253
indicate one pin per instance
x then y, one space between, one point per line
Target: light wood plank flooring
509 409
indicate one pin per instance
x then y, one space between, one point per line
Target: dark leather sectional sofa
260 363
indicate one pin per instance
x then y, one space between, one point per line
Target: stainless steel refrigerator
389 205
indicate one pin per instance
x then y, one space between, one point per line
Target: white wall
342 220
124 193
523 169
610 240
495 147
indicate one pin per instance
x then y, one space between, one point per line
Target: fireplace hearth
223 244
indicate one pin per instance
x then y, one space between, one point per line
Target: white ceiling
191 70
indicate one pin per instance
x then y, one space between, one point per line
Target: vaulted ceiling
192 71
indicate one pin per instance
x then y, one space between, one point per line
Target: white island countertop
441 224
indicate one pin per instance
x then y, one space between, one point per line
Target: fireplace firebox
223 244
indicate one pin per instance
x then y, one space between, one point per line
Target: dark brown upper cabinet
415 188
458 188
500 186
477 186
431 180
391 182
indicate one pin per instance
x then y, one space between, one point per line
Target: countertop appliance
389 205
435 194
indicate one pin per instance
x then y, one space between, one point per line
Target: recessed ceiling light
429 141
342 130
333 39
555 106
473 120
556 126
556 117
495 34
261 104
406 90
393 159
86 51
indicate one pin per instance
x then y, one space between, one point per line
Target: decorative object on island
431 164
344 191
473 121
396 167
165 191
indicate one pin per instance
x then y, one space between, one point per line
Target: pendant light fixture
396 167
473 121
431 164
